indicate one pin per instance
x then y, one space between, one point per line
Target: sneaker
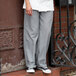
45 70
30 70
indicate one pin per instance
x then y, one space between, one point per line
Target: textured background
11 33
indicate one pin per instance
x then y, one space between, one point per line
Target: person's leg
31 28
46 19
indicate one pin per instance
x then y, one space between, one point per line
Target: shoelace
43 68
30 68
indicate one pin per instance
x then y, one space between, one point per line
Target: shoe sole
30 72
43 71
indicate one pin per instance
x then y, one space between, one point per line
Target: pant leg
31 28
46 19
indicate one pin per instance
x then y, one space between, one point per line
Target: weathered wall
11 27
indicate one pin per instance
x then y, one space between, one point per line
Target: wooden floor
55 72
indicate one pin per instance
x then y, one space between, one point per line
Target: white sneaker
45 70
30 70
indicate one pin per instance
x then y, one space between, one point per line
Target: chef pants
36 37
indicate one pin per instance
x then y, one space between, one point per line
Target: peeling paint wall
11 35
8 67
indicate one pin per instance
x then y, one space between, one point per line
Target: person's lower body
37 32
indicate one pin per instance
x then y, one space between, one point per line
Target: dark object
66 53
64 2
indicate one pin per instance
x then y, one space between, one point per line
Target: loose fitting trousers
37 32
